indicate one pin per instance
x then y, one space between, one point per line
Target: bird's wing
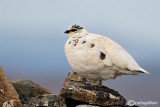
121 58
115 54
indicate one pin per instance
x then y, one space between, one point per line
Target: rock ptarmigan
96 57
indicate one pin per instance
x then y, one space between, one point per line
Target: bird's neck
78 34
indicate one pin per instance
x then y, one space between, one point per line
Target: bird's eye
73 30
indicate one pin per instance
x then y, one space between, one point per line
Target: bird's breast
82 55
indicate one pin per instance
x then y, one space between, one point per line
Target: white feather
85 59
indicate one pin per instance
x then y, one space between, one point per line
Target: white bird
96 57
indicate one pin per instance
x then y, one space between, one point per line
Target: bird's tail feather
143 71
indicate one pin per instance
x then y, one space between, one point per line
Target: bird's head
75 30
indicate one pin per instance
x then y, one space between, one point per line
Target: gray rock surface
47 100
27 89
13 103
98 95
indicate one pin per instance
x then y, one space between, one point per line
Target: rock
74 103
13 103
101 106
76 92
98 95
7 91
53 100
87 106
27 89
47 100
75 77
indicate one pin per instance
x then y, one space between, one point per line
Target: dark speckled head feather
74 28
77 27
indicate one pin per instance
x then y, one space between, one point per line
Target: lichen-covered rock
27 89
75 77
13 103
7 91
47 100
86 106
53 100
99 95
83 105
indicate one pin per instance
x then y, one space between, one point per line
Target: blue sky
32 39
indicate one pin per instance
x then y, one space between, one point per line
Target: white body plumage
96 57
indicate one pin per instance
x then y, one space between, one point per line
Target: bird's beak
67 31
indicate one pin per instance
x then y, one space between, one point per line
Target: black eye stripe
72 30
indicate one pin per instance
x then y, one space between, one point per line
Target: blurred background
32 40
